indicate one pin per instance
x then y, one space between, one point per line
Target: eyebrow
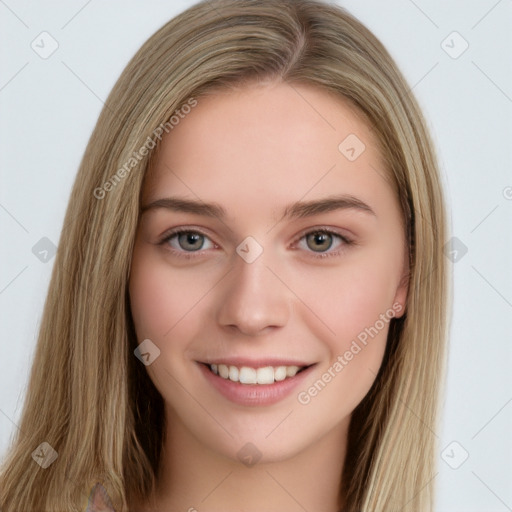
297 210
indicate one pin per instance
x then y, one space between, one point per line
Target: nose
254 299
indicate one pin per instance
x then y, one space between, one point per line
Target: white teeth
233 373
247 375
223 371
280 373
291 370
265 375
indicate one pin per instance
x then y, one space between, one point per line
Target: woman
267 371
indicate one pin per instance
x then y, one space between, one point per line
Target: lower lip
255 394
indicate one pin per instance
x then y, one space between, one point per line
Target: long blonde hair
90 399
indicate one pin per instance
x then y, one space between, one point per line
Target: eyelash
194 254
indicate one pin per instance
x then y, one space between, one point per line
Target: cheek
354 353
354 301
160 299
346 299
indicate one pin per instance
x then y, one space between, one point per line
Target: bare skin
254 152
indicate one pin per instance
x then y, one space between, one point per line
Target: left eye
319 241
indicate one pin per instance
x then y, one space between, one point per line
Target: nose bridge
253 297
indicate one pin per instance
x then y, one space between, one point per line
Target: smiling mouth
248 375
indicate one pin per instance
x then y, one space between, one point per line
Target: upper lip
256 363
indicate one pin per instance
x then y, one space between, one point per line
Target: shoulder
99 500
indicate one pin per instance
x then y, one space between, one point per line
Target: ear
403 287
99 500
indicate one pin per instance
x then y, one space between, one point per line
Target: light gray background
49 108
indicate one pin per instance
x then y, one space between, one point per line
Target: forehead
279 142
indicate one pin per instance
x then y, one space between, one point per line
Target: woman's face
272 274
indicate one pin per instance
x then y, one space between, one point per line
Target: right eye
184 242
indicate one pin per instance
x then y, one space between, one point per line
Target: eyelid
324 229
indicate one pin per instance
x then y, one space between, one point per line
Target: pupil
321 238
190 238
